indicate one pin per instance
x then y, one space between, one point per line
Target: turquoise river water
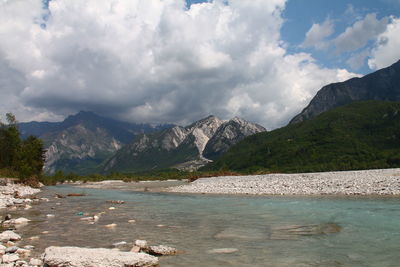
266 231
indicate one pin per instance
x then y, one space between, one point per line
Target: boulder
9 235
99 257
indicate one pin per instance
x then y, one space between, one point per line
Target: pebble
111 208
50 215
131 221
112 225
36 262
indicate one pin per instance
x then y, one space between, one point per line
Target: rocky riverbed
14 252
366 182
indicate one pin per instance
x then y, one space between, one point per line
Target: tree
9 142
26 157
30 159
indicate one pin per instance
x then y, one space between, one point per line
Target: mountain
383 84
361 135
84 140
180 147
227 135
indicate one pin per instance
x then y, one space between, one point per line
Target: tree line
20 158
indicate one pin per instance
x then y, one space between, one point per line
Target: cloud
386 51
360 33
153 61
357 61
317 34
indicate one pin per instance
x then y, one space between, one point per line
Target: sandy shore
367 182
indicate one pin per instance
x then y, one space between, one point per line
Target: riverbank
382 182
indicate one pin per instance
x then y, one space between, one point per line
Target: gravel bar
366 182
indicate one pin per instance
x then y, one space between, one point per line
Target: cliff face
181 147
383 84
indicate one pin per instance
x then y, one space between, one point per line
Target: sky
177 61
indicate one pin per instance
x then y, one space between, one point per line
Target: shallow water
267 231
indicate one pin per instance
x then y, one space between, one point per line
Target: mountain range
180 147
87 143
84 140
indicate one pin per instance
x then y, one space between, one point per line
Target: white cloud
154 61
317 34
362 31
386 51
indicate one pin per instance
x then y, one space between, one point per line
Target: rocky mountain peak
182 147
383 84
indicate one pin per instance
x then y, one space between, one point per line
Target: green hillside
362 135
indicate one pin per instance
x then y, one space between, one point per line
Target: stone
8 258
162 250
35 262
7 217
10 244
9 236
21 220
223 250
111 225
118 244
50 215
30 247
99 257
11 249
23 252
111 208
141 244
135 249
131 221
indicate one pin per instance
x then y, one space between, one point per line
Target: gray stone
99 257
162 250
12 249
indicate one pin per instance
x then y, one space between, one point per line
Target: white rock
21 220
111 225
50 215
98 257
118 244
8 258
36 262
141 243
9 235
223 250
24 252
